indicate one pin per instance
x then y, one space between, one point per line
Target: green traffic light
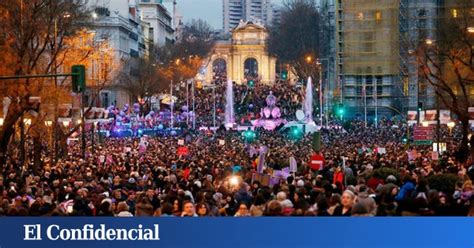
78 78
249 135
296 133
251 83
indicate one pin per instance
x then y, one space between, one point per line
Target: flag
109 160
293 165
261 163
261 159
252 151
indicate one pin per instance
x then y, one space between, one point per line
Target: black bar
37 76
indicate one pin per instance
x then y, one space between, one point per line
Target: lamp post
320 68
187 102
194 105
56 100
319 65
171 105
92 136
430 42
49 124
214 105
451 125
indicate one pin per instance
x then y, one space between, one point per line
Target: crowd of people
366 172
248 101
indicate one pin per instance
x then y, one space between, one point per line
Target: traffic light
404 140
249 135
340 111
420 106
251 83
296 133
78 78
284 75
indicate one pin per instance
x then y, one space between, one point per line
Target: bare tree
448 63
35 37
183 59
141 82
295 40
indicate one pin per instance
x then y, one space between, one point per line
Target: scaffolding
371 37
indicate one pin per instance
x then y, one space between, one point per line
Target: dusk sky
209 10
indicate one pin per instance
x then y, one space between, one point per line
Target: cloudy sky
209 10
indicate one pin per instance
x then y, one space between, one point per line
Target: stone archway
219 65
245 54
250 68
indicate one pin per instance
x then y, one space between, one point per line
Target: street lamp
451 125
470 30
27 122
320 91
309 59
66 124
429 42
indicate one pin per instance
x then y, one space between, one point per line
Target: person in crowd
347 202
122 209
167 173
243 211
202 209
188 210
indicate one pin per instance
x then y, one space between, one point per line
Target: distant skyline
208 10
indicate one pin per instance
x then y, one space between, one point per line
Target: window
378 16
359 85
379 85
455 13
360 16
421 13
369 85
104 99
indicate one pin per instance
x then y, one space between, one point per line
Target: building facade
118 24
367 74
418 23
262 11
244 57
160 20
374 48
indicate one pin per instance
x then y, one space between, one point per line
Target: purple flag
261 159
293 166
261 162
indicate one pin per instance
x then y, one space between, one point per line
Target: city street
135 108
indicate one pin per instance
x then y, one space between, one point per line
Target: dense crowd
248 101
215 174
